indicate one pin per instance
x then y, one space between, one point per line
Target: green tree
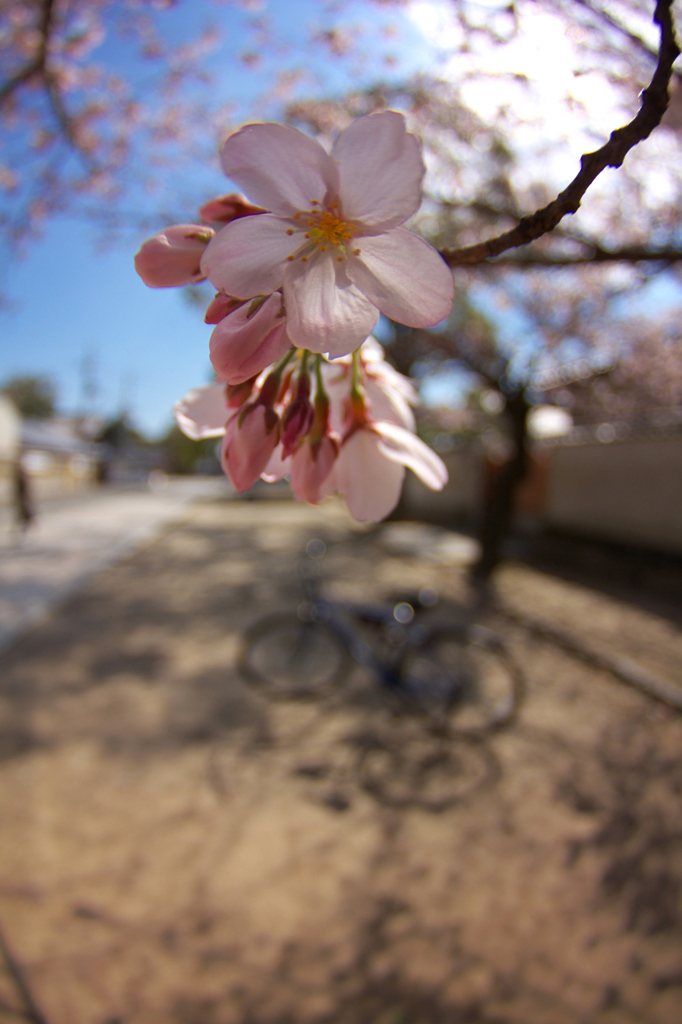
182 453
34 397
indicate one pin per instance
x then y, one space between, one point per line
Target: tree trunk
498 504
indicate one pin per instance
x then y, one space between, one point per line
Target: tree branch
655 101
627 254
64 120
37 65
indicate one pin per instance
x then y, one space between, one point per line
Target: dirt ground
174 853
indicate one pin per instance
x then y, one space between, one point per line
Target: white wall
628 491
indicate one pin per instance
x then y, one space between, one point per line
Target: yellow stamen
356 252
327 228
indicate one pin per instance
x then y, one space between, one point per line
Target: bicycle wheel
286 657
426 772
465 678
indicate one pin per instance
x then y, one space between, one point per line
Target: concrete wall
628 491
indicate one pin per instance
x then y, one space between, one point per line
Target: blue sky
70 299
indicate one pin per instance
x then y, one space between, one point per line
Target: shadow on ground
177 849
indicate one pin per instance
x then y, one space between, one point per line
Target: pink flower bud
219 307
171 258
311 467
297 422
242 345
237 395
298 417
250 439
271 389
226 208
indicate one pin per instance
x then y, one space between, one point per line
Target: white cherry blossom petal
277 468
203 412
404 276
248 256
401 446
387 377
326 312
372 351
337 379
380 170
369 482
388 405
279 167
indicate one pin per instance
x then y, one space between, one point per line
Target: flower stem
318 377
358 405
356 387
286 358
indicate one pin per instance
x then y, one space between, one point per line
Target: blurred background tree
183 455
34 397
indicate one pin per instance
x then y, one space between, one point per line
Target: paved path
72 540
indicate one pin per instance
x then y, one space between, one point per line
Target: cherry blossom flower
370 469
332 241
272 429
172 257
388 392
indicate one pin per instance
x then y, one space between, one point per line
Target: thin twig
613 23
64 120
655 101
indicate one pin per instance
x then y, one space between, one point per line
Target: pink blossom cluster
345 428
301 278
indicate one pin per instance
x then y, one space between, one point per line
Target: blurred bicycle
460 675
458 679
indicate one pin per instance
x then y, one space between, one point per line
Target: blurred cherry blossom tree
101 100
